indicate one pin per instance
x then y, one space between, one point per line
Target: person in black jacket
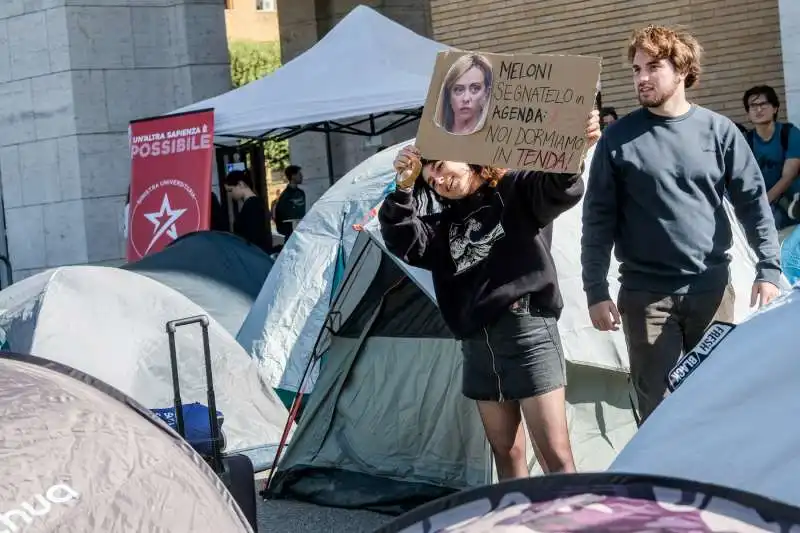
290 206
252 223
488 250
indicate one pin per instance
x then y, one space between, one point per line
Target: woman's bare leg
539 457
546 417
503 425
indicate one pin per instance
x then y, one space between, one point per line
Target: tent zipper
494 367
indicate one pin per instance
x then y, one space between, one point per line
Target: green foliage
251 61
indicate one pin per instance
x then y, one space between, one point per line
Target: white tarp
731 422
287 317
110 323
367 64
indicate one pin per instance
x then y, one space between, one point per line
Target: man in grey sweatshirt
655 193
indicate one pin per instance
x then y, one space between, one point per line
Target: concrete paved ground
283 516
286 516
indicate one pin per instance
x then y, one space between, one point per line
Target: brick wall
741 39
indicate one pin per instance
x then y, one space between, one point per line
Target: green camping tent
387 427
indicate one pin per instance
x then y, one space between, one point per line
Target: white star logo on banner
167 226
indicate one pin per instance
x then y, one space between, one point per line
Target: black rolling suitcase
235 471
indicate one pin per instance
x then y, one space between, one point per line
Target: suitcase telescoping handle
172 326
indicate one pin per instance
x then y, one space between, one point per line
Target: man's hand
763 293
605 316
592 132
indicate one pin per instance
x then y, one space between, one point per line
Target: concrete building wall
73 73
790 44
245 23
302 24
742 39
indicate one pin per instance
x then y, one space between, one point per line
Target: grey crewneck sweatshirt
655 192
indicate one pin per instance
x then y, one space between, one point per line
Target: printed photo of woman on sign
465 95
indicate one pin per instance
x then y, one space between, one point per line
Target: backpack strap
786 128
749 137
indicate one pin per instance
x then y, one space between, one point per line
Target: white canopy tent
366 66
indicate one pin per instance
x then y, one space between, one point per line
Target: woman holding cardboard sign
488 250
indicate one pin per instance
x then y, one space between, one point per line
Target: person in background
291 204
608 115
252 223
776 147
655 193
488 251
218 222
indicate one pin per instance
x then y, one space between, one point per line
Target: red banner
171 161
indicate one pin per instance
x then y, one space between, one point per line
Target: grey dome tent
110 324
600 502
78 455
219 271
387 427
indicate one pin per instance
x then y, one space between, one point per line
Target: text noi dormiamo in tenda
521 147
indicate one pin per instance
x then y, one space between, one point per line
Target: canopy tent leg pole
315 356
295 408
329 152
289 421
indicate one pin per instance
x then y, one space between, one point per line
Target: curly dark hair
676 45
233 178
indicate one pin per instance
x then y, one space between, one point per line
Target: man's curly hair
677 46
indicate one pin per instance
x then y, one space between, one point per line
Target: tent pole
329 152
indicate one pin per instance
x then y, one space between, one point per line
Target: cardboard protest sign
516 111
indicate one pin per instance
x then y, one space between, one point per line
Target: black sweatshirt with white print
487 250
